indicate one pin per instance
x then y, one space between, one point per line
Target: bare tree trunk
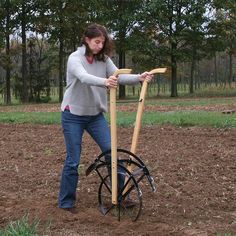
61 71
24 64
216 72
121 65
30 72
230 68
8 70
173 71
192 71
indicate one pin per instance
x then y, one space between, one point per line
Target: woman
89 75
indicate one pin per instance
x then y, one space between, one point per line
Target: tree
215 43
65 27
226 22
40 63
120 16
169 19
194 35
6 28
24 17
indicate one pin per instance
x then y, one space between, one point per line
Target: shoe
72 210
128 203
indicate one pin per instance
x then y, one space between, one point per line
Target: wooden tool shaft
138 121
113 144
114 136
139 115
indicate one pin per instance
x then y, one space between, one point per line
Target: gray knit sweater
86 93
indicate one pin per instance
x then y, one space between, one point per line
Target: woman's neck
90 59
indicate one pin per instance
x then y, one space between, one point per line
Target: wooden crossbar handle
114 136
158 70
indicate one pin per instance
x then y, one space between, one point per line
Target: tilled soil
132 106
193 168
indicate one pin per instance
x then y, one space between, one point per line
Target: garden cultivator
121 171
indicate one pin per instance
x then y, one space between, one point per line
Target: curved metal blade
91 168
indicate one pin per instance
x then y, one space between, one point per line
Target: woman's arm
124 79
75 69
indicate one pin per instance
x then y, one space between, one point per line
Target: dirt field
194 170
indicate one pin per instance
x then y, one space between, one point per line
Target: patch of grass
180 118
191 118
205 90
182 102
21 227
31 117
217 91
176 118
48 151
191 102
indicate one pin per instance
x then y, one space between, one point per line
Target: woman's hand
111 82
146 76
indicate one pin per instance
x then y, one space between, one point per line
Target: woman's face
95 44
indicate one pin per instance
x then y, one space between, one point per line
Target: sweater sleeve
75 69
111 67
128 79
124 79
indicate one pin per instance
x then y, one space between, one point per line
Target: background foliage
194 39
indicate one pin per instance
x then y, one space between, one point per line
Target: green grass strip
176 118
46 118
192 118
192 102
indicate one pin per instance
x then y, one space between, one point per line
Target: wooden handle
122 71
114 136
139 115
158 70
141 108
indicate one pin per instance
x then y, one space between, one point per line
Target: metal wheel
129 199
126 158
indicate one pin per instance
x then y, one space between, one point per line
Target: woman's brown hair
96 30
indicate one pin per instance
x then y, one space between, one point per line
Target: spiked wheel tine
105 210
129 205
152 183
128 190
154 189
91 168
119 212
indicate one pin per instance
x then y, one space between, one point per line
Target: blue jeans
73 129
